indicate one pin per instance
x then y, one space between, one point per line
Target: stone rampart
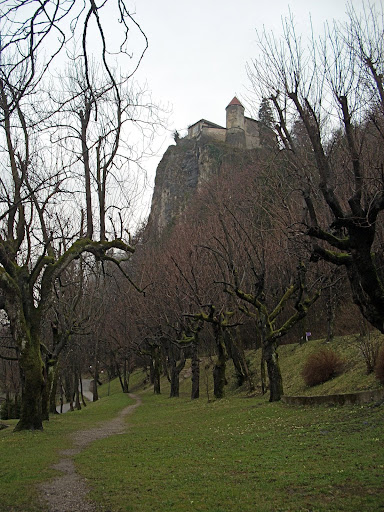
358 398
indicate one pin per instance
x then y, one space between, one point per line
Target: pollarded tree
205 302
37 187
334 88
160 315
262 268
221 321
71 314
9 373
121 344
257 262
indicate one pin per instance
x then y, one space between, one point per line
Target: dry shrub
369 345
379 367
322 366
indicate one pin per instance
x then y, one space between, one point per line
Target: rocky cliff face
183 169
178 175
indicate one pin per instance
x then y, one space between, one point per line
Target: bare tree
263 269
38 194
334 86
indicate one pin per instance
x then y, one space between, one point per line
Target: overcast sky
198 50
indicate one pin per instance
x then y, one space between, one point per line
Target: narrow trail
68 492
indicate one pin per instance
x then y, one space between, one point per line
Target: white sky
198 50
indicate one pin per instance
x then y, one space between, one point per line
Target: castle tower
235 135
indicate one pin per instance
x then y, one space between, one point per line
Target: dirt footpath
69 492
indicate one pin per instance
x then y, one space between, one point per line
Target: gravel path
69 491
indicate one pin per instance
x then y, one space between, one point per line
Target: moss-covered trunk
125 377
364 271
237 354
219 380
24 322
49 391
195 364
45 394
32 369
52 396
274 373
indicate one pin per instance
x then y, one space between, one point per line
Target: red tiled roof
235 101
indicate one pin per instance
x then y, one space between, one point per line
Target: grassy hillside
292 359
353 378
26 457
239 454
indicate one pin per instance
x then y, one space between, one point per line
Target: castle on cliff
240 131
196 158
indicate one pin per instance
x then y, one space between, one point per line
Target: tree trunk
61 396
263 375
68 390
49 377
175 374
156 384
239 360
94 387
367 289
84 118
81 392
76 383
46 392
163 361
32 368
49 390
246 372
156 370
125 377
233 353
274 373
151 371
121 378
52 396
219 380
365 280
96 373
195 364
8 403
175 382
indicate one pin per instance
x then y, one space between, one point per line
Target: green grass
353 378
237 454
240 454
292 358
26 457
